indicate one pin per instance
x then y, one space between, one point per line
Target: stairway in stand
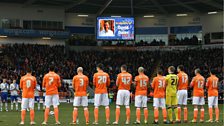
156 67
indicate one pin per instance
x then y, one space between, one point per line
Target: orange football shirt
182 81
198 83
80 83
51 82
141 82
101 81
28 85
124 80
159 86
212 85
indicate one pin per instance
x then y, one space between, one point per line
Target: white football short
141 101
80 101
123 97
212 101
182 97
52 100
198 100
159 102
101 99
27 103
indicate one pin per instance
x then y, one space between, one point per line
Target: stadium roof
128 7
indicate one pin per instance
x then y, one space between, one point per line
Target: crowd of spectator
132 43
185 41
77 40
204 59
88 40
113 60
91 42
16 58
152 43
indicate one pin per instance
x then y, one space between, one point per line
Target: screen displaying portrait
109 28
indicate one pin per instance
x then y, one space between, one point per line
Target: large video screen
118 28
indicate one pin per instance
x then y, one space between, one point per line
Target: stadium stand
39 57
73 37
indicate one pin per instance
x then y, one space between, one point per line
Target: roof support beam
186 6
29 2
104 7
158 6
75 4
142 2
138 5
132 8
212 3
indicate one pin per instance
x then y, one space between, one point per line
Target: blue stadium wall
142 30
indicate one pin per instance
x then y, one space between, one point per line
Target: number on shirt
214 84
81 82
125 80
51 79
184 79
28 84
200 84
143 83
102 79
161 84
173 81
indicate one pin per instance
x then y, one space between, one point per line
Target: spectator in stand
29 55
185 41
221 90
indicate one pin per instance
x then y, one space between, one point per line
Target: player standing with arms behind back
101 81
171 93
28 85
182 92
212 86
80 83
124 80
159 86
198 83
142 84
51 83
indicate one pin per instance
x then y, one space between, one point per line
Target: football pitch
12 118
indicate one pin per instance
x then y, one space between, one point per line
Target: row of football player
173 87
13 88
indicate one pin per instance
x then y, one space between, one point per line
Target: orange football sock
86 114
46 113
156 114
195 114
217 113
128 114
117 114
96 111
202 114
185 113
107 110
23 114
56 114
75 114
179 113
138 114
146 114
31 115
210 113
164 114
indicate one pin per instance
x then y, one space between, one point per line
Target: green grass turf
12 118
